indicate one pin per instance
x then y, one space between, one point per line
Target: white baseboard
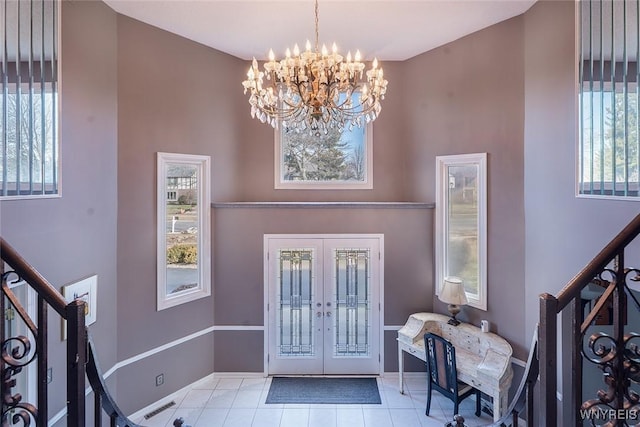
239 374
169 398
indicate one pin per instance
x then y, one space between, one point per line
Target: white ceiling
386 29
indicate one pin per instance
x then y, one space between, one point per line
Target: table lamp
453 293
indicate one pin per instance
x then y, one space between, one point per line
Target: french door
323 309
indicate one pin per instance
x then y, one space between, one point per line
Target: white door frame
266 239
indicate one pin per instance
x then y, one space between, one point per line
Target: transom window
318 160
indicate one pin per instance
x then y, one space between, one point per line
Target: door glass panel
352 309
295 296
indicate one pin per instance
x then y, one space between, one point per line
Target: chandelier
315 90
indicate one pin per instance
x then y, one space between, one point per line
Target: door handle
319 314
328 314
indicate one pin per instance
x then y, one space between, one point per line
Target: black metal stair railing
102 398
612 349
18 352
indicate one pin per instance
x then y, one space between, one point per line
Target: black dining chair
442 373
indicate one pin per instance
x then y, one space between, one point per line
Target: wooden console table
483 359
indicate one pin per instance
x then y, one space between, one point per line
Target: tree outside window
325 161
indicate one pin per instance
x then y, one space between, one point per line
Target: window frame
443 163
203 289
52 86
281 183
600 36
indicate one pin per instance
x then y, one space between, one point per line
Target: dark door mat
323 390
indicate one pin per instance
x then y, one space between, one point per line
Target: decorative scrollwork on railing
20 355
598 352
16 353
606 275
619 361
7 274
21 414
632 367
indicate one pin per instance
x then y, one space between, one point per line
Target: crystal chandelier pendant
315 91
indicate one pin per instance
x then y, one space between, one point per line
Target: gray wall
239 276
184 116
173 96
467 97
72 237
473 109
562 232
256 153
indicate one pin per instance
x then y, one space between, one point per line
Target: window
609 148
29 158
306 160
184 229
461 223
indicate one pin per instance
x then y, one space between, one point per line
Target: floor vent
158 410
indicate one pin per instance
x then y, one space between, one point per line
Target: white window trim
367 184
442 226
204 229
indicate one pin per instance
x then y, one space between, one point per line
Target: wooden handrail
81 356
102 396
73 313
569 299
595 266
33 277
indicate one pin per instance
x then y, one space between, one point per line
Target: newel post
548 360
76 361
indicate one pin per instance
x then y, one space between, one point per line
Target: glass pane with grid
294 319
351 300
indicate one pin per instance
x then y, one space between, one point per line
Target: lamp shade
452 291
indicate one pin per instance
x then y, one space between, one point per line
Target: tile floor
239 402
